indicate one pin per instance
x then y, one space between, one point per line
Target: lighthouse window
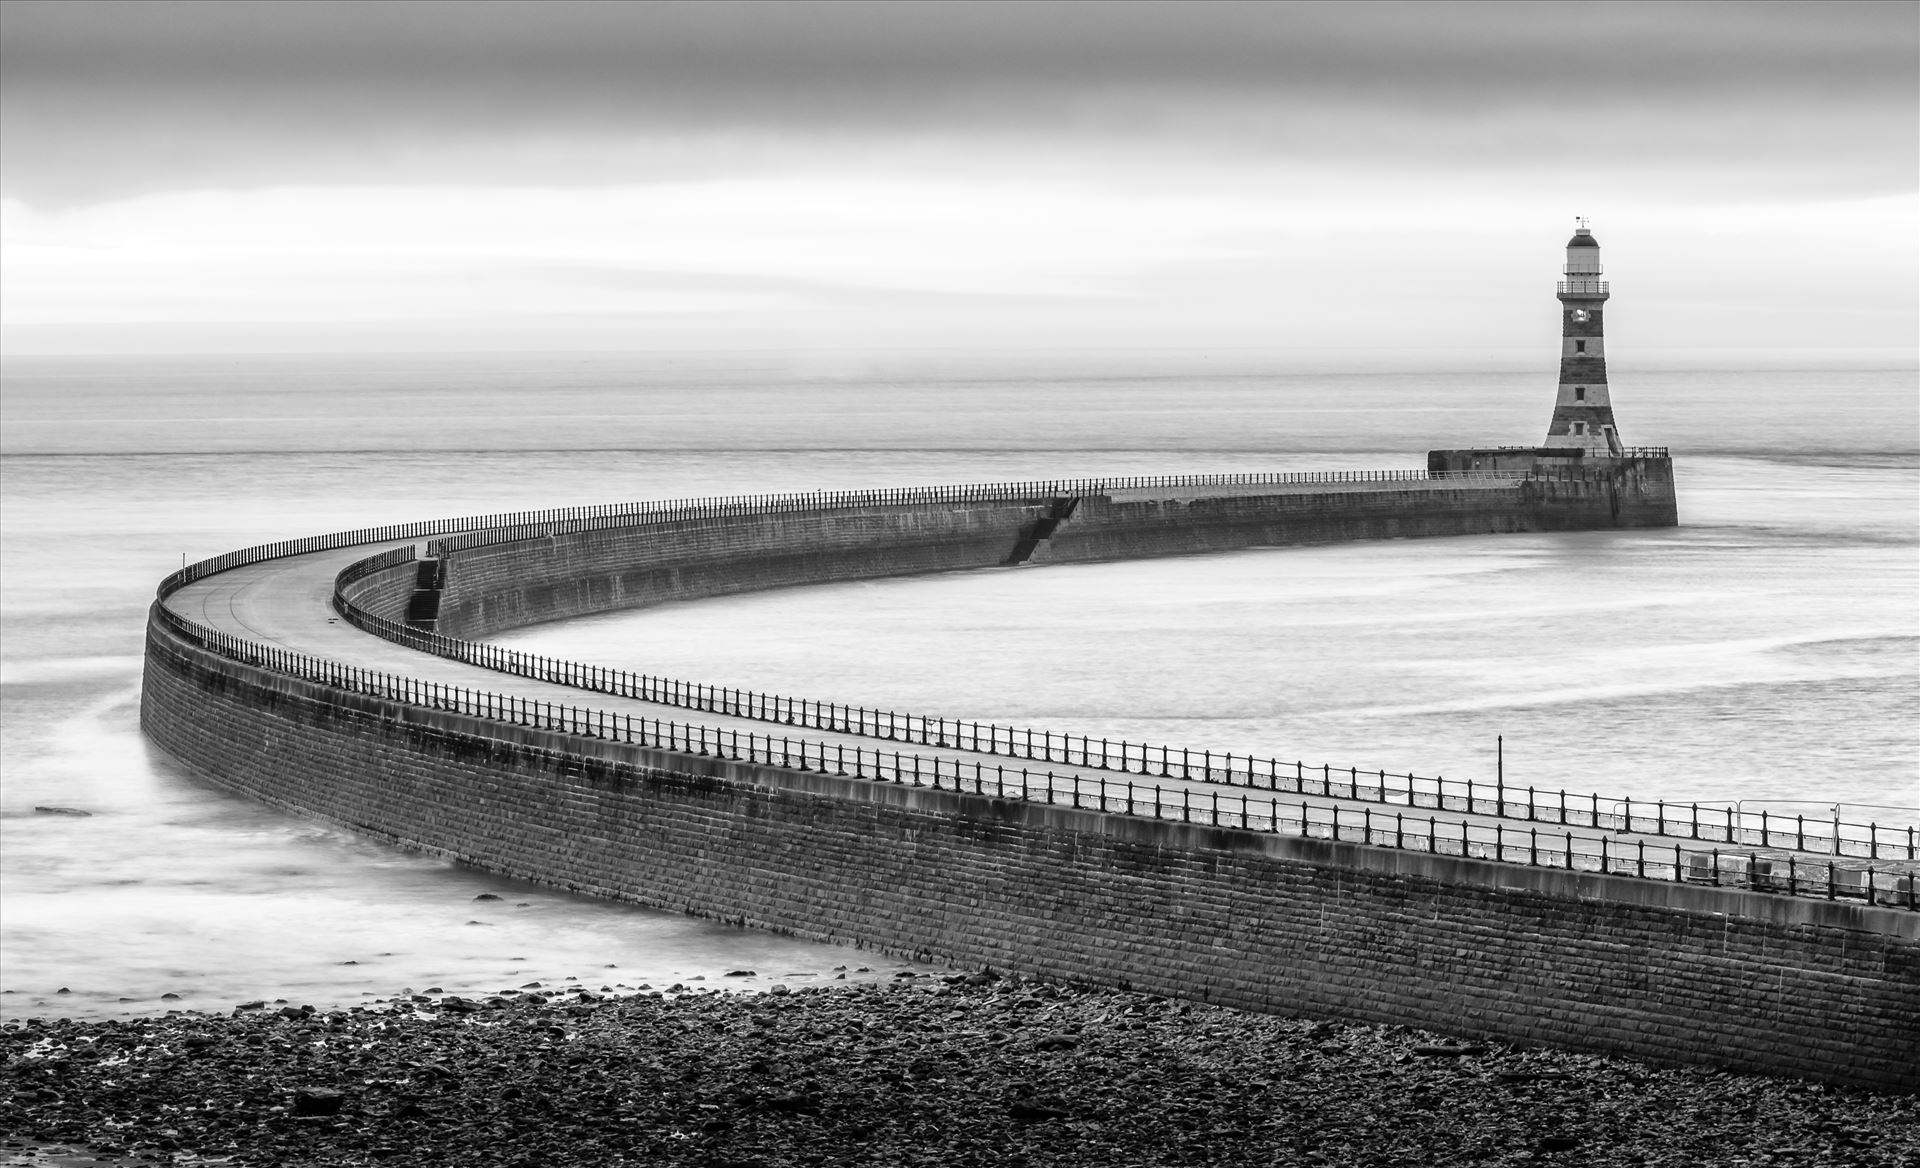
1579 393
1579 346
1579 429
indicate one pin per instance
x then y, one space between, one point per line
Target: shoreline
927 1068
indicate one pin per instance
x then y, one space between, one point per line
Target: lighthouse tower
1582 412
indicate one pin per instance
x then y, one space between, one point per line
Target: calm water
1767 650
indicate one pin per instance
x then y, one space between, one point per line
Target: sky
1187 177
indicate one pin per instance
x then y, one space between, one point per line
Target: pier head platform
348 676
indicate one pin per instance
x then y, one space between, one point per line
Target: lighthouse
1583 467
1582 411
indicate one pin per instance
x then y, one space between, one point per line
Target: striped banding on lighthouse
1582 409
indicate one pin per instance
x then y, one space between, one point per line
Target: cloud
104 99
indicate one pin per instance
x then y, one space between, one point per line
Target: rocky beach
927 1069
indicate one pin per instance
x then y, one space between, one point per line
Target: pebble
1006 1071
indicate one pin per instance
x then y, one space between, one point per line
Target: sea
1766 652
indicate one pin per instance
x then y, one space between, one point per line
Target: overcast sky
232 176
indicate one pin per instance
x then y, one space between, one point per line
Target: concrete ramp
1037 533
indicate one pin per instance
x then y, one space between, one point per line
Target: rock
458 1005
714 1079
739 973
312 1101
486 896
253 1005
73 811
169 997
779 991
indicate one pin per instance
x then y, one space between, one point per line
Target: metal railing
1380 787
1581 288
1247 811
1626 452
1691 821
723 505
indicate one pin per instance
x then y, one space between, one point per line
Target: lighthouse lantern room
1582 411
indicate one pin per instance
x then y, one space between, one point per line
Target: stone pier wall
1674 973
1670 972
575 573
503 586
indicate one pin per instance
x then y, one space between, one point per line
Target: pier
348 676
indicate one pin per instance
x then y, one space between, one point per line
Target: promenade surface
288 603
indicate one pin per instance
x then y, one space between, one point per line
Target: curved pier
1238 880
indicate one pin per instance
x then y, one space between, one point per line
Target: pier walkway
287 603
